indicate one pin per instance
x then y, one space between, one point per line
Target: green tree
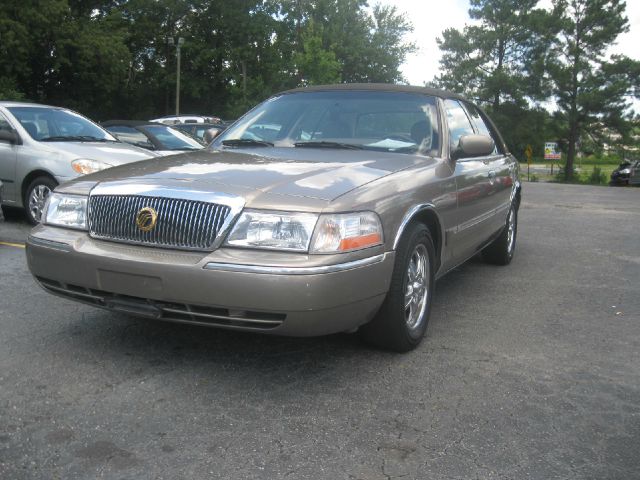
314 64
368 44
591 91
499 58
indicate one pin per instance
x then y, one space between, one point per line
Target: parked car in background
186 118
42 146
627 173
205 132
322 210
163 139
1 214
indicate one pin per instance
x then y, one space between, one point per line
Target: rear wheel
501 250
36 196
403 317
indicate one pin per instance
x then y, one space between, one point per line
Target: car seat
421 132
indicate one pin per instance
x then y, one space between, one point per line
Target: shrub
597 176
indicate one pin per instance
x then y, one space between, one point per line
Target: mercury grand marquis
323 209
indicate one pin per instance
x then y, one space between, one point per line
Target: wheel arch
516 195
30 177
426 214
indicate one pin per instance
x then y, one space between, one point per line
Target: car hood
113 153
319 173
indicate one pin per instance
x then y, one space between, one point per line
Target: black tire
392 328
42 186
501 250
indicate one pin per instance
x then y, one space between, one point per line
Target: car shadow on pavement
131 336
132 351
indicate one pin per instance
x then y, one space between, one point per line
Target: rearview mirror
473 146
8 136
147 145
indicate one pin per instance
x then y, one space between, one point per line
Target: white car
42 146
173 119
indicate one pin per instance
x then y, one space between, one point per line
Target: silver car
322 210
42 146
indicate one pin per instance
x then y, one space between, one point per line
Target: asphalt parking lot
530 371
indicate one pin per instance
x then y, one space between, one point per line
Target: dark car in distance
162 139
324 209
627 173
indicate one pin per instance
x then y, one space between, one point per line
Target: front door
8 158
474 182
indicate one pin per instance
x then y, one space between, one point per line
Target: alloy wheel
417 286
37 199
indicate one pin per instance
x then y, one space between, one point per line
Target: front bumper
619 180
280 293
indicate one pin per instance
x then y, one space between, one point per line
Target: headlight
66 211
273 230
625 171
346 231
84 166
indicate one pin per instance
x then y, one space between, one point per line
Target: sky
431 17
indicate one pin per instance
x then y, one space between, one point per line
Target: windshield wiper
246 142
74 138
349 146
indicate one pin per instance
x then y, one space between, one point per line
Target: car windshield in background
173 139
47 124
368 120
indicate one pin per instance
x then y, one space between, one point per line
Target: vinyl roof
382 87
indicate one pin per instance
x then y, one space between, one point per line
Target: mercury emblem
146 219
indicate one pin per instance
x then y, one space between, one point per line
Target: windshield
370 120
172 139
56 124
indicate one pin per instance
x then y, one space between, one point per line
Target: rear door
8 159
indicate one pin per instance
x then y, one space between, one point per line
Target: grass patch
584 174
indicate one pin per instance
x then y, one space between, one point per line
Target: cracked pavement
530 371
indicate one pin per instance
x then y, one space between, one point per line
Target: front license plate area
130 284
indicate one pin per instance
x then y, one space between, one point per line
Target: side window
481 125
458 122
4 125
128 134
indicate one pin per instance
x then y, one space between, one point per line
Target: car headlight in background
84 166
625 171
66 211
346 232
273 230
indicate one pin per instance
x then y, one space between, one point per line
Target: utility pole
178 45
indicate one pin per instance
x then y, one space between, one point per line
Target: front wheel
36 196
501 250
402 320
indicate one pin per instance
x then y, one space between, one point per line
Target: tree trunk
501 53
571 153
573 114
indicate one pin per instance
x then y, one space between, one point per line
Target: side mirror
8 136
473 146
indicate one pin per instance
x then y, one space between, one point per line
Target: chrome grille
181 223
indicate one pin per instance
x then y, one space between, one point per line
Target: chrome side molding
261 269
